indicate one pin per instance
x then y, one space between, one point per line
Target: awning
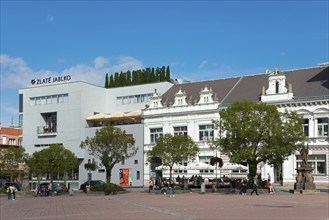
116 116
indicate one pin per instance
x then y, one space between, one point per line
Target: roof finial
276 70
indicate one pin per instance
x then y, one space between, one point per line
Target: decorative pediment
277 87
180 98
155 100
206 95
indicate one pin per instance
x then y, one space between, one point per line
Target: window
206 132
11 141
49 124
277 86
156 133
136 161
305 127
317 162
322 127
180 130
101 170
138 175
49 100
122 161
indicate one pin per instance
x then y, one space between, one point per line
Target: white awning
115 116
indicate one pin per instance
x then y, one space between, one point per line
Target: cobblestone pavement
194 206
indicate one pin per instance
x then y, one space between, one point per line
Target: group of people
165 186
11 191
267 184
44 190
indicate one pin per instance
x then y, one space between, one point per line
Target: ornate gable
277 88
180 98
206 95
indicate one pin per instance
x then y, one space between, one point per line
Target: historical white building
190 108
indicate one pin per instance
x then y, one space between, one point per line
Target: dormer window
277 87
155 100
180 98
206 95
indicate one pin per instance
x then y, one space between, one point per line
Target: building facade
191 107
59 113
69 112
10 137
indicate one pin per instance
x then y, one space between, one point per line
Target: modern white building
191 107
58 113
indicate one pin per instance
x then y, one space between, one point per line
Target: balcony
47 131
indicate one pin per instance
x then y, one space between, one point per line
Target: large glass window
206 132
316 162
156 133
180 130
322 127
125 100
305 127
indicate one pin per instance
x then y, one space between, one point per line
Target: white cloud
202 64
100 61
50 18
15 73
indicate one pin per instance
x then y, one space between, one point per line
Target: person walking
244 187
255 185
165 187
172 188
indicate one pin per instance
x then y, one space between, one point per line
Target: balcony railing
44 130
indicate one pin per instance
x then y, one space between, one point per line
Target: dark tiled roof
306 83
309 82
219 87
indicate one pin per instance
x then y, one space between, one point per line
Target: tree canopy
110 145
10 160
173 149
258 132
54 160
136 77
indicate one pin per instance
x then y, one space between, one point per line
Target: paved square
142 205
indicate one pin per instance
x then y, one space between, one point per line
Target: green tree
168 74
55 160
258 133
111 82
10 160
173 149
107 81
110 145
128 80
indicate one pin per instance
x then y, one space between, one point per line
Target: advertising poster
124 177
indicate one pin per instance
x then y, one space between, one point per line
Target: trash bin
86 189
203 188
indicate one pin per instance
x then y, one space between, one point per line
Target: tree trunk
252 169
108 170
170 173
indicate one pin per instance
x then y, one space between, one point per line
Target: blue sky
199 40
